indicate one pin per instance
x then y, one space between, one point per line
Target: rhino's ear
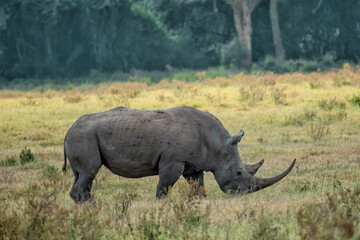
235 139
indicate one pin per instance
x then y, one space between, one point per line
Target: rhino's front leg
197 182
169 173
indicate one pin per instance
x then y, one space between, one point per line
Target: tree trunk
242 10
274 18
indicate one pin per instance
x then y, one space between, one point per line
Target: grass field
314 118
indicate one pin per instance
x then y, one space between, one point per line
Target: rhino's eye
239 173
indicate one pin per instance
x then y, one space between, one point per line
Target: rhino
135 143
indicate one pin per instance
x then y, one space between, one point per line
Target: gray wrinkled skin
170 142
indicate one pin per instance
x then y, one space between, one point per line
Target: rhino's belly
129 161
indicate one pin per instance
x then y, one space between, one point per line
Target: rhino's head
234 176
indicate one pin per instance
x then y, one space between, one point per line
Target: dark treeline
70 38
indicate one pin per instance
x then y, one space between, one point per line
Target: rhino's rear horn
253 168
261 183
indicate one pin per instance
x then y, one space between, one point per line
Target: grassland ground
313 117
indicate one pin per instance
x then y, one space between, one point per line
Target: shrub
256 94
339 116
293 121
39 216
185 76
269 63
339 215
7 178
26 156
73 97
49 171
266 226
355 100
215 72
29 101
318 132
231 53
309 114
279 95
9 161
341 81
253 94
316 85
309 66
329 104
285 138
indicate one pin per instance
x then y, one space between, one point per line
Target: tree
274 18
242 10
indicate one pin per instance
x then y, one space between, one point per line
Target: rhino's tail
64 166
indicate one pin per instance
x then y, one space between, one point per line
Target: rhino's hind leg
169 173
196 180
84 186
73 192
85 163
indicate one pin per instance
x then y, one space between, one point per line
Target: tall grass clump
267 226
181 215
253 94
279 96
338 217
318 132
9 161
355 100
36 214
329 104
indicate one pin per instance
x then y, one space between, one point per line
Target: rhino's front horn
252 168
261 183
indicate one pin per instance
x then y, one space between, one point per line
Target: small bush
329 104
269 63
304 186
7 178
279 95
73 97
261 140
26 156
309 114
163 98
266 226
339 116
339 215
341 81
252 94
313 85
146 80
309 66
39 216
29 101
231 53
10 161
355 100
293 121
214 73
185 76
49 171
285 138
318 132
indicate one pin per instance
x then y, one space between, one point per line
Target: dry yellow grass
282 115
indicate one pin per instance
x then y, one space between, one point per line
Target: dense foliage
74 38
